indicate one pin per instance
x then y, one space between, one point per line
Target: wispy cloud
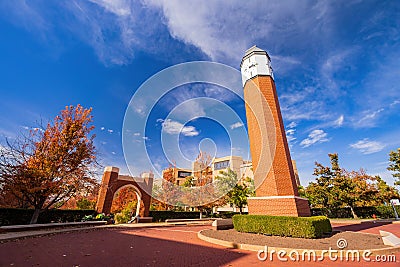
394 103
174 127
339 121
290 135
316 136
369 118
236 125
366 146
292 125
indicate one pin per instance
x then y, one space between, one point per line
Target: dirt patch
358 241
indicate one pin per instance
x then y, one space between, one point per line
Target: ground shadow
359 226
111 247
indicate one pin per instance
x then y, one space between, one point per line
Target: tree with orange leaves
51 165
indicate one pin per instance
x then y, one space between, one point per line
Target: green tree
319 193
85 204
236 191
189 182
52 165
394 166
385 191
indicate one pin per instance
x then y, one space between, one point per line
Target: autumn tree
335 187
122 198
202 169
50 165
394 166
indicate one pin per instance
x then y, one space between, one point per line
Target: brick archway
112 182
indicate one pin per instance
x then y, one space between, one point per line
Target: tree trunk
35 216
353 213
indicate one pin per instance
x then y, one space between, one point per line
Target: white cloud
369 118
102 128
290 135
236 125
118 7
394 103
292 124
173 127
110 131
316 136
339 121
225 31
366 146
290 131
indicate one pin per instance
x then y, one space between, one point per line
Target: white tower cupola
255 62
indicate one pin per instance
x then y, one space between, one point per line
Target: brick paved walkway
164 246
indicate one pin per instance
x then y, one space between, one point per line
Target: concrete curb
224 243
360 221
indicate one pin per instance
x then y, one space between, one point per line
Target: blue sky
336 67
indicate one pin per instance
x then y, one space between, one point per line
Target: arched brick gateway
112 182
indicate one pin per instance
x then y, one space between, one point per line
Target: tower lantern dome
255 62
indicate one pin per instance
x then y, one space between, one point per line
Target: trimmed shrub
162 215
9 216
303 227
226 214
382 212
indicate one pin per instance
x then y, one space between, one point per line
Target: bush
162 215
303 227
85 204
226 214
10 216
126 214
382 212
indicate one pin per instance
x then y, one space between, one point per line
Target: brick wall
279 206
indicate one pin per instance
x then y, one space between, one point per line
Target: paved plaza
149 246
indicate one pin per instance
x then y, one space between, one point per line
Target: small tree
51 165
394 166
236 191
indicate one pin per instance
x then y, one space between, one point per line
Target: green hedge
225 214
162 215
382 212
9 216
303 227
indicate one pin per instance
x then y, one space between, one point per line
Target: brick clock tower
274 178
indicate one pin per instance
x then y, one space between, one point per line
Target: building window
183 174
221 165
